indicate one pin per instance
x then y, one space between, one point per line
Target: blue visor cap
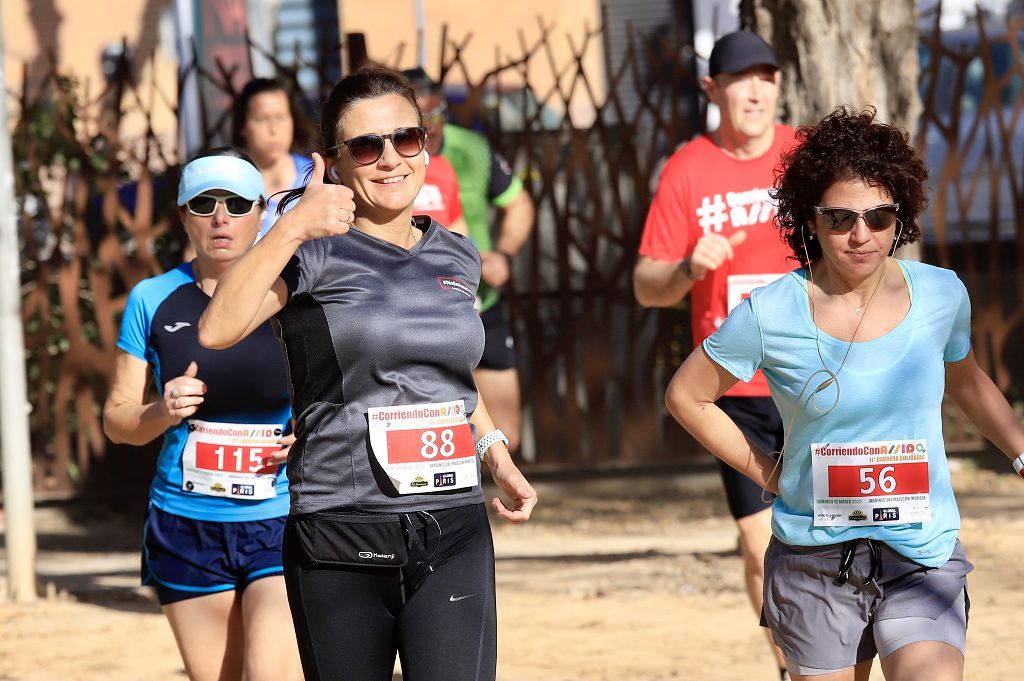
229 173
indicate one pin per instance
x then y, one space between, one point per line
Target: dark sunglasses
204 205
367 149
878 219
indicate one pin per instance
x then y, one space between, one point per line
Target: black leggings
438 612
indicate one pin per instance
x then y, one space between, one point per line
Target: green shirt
485 179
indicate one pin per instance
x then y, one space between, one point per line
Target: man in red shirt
439 196
709 233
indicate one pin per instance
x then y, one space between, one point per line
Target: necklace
860 309
857 309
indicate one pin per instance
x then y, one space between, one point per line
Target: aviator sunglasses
204 205
367 149
878 219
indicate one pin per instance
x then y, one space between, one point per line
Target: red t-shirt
439 195
703 190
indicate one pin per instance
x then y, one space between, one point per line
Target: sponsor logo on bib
446 479
885 514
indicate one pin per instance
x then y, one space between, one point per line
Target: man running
485 180
709 231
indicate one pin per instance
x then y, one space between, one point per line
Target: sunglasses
436 114
878 219
236 206
367 149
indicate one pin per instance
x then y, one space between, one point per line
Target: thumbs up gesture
325 209
184 394
712 250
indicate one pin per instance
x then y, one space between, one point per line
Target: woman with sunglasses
388 547
858 348
218 502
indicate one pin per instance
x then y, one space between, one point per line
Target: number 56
885 483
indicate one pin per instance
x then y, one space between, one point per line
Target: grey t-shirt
370 324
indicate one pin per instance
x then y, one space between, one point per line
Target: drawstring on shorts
846 561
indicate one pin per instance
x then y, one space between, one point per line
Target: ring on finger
175 402
174 393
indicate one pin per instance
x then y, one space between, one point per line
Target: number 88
430 448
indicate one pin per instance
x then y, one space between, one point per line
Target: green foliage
46 133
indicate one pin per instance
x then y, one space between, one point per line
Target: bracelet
487 441
1018 465
506 254
686 267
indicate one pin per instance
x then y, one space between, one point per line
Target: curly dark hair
847 145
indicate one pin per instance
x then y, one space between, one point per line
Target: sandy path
617 579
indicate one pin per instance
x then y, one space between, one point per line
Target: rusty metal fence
96 216
972 136
593 364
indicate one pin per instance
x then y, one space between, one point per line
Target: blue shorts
184 558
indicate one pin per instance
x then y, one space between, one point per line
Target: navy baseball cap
738 51
229 173
419 80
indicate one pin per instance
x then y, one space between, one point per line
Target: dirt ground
620 578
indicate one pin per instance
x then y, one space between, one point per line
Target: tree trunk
832 52
836 52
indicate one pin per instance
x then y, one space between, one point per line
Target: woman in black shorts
388 546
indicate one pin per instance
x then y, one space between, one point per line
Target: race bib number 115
229 459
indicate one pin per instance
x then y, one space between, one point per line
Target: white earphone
426 157
334 174
806 234
896 242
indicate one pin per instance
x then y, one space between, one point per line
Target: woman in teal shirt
858 349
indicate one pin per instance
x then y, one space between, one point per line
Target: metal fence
96 212
972 136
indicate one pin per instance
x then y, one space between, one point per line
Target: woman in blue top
858 348
267 126
218 502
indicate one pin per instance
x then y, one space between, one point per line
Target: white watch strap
1018 465
489 440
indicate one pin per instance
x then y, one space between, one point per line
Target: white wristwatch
488 441
1018 463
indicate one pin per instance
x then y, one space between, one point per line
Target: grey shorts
824 626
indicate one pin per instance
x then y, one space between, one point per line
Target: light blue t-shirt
890 388
303 166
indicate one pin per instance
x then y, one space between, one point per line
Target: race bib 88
424 447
